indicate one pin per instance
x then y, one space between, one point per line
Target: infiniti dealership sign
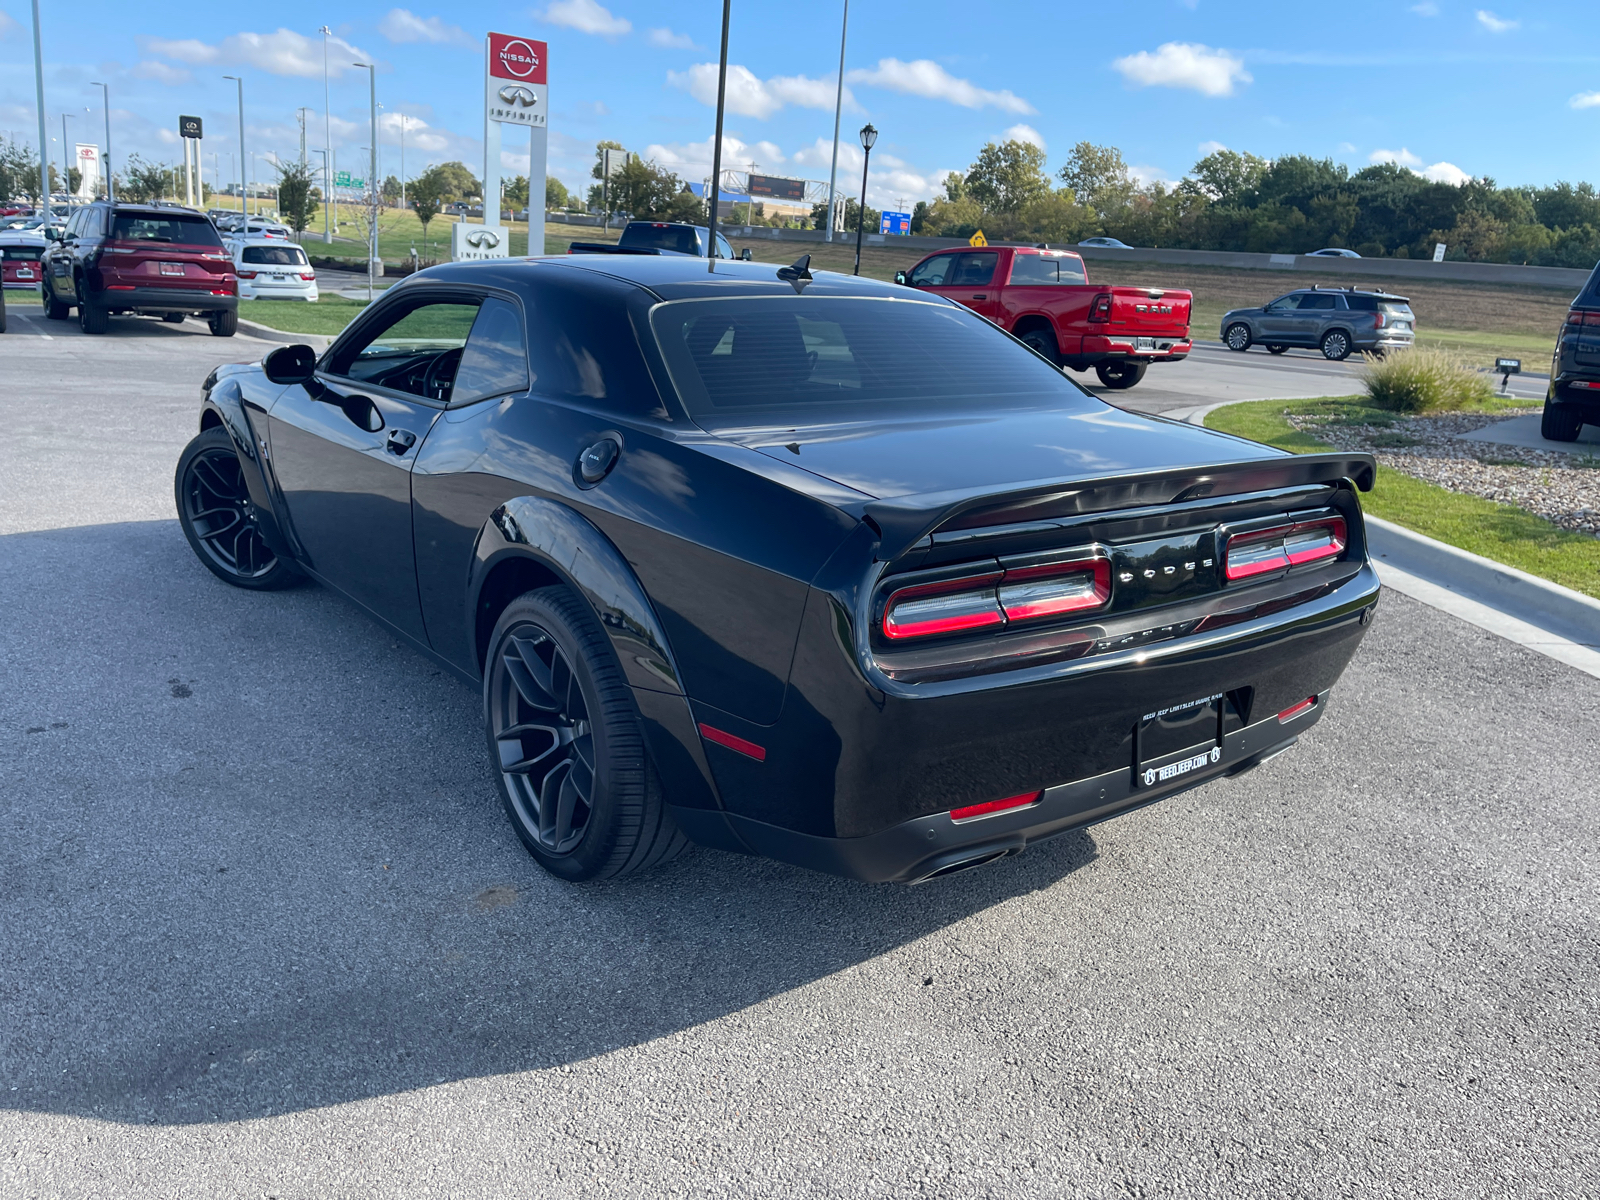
468 243
517 79
515 92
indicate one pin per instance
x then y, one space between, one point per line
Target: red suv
147 259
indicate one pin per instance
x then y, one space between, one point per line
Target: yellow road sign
978 239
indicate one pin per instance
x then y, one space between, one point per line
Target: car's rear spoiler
906 520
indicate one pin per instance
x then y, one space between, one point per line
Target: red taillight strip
948 606
1256 559
733 742
997 597
990 807
1294 710
1043 592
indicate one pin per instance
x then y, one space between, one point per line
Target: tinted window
806 361
1362 303
975 270
1046 268
723 249
680 238
275 256
1318 302
933 272
178 230
1397 308
1284 303
582 346
496 358
398 351
20 253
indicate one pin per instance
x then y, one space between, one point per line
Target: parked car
1106 243
1336 321
142 259
797 565
272 269
2 310
1332 252
1044 298
1573 398
661 237
19 258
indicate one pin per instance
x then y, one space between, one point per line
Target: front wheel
225 324
1121 374
1336 345
566 743
1559 424
1237 336
54 310
218 518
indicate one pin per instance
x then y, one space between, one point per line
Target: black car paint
1576 360
737 582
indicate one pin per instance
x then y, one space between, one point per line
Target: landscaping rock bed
1562 488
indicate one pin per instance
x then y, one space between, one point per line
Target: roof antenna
798 274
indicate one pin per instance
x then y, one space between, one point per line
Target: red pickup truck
1043 298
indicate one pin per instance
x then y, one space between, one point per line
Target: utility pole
372 180
327 141
838 108
111 187
716 153
38 82
301 113
244 190
66 159
402 162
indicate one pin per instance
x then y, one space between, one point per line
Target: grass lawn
1498 531
328 315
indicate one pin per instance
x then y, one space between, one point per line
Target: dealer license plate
24 273
1177 741
172 268
1148 343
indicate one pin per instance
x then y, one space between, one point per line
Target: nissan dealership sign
516 94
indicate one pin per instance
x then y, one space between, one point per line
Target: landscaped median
1456 509
328 316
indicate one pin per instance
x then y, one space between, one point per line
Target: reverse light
947 607
1284 546
1100 310
990 807
1057 588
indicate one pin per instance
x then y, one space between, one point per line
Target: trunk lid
1149 312
168 250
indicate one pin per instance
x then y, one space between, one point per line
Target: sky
1447 89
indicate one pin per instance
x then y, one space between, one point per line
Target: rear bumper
1096 347
164 300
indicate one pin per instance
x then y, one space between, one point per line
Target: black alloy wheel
1559 423
1336 345
54 310
91 317
1043 341
1274 348
1237 336
567 746
1120 373
219 519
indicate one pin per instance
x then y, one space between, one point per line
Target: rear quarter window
1046 269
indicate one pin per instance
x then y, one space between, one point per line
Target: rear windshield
178 230
808 361
1046 268
661 237
20 253
275 256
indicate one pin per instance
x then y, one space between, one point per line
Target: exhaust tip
965 860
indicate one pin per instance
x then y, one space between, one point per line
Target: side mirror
746 256
290 364
900 277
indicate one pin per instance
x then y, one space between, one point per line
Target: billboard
895 222
518 73
776 188
191 127
89 171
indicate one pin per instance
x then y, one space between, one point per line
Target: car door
342 446
1276 325
58 259
973 283
1316 313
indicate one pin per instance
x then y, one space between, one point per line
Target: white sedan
273 269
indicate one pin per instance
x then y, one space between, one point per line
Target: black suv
148 259
1573 400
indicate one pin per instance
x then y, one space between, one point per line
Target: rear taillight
309 276
1283 546
247 274
1579 317
1100 310
1379 320
1294 710
990 807
1026 593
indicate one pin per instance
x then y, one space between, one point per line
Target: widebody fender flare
224 406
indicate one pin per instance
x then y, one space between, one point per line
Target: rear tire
1559 424
1273 348
1044 342
1336 345
54 310
225 324
1237 337
1121 374
92 319
172 318
583 795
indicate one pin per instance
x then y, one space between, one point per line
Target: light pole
372 178
716 153
111 187
301 113
838 108
244 192
869 136
327 140
324 154
38 81
66 161
402 162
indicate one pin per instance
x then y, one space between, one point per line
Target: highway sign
978 239
345 179
778 187
895 222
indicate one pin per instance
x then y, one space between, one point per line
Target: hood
997 451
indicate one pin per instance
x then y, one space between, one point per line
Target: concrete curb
267 334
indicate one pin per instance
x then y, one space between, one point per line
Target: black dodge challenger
806 567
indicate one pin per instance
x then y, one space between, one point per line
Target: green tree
1228 177
516 193
1007 176
297 199
596 172
391 191
428 193
1098 177
556 196
19 171
455 182
141 181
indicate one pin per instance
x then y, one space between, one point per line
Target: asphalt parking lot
267 932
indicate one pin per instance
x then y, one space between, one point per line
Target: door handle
980 295
401 441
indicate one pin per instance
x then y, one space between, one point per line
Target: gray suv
1334 320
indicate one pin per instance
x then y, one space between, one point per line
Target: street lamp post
111 187
869 137
244 194
66 162
327 141
324 153
838 109
372 180
38 82
715 189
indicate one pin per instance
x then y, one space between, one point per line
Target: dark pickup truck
1042 297
660 237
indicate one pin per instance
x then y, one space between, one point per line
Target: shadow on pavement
255 863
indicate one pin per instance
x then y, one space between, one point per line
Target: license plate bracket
1178 740
1148 343
172 268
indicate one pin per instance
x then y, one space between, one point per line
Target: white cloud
161 72
403 25
928 79
1347 147
1206 148
282 53
8 25
1585 100
1426 9
168 138
1445 172
1185 65
1495 24
1439 172
418 133
1401 156
1024 133
691 161
1147 175
748 95
668 40
587 16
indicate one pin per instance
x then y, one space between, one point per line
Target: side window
74 223
1284 303
416 349
495 360
1362 303
582 346
1317 302
724 250
933 272
975 270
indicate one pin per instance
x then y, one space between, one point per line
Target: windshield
759 362
681 238
277 256
181 231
